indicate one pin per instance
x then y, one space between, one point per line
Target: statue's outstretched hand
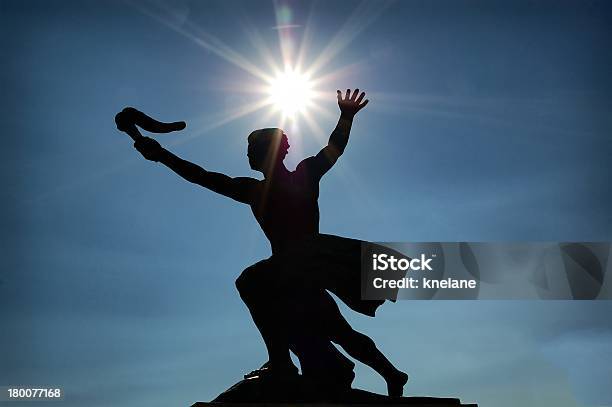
351 104
149 148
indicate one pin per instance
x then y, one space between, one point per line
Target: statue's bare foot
395 383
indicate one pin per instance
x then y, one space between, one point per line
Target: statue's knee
254 282
241 285
244 282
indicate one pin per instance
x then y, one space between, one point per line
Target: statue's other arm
241 189
327 157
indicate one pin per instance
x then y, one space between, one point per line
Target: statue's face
263 156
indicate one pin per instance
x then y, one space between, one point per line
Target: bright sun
291 92
285 86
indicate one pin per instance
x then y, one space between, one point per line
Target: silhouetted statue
286 293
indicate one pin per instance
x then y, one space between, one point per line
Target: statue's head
267 147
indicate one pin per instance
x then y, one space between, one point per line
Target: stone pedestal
299 393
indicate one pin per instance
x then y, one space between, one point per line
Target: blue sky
488 121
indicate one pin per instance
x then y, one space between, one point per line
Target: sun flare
291 92
288 87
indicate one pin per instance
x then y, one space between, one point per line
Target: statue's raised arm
349 106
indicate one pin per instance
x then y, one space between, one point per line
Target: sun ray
244 110
365 14
306 40
343 74
324 112
284 26
264 51
207 41
315 129
267 119
253 35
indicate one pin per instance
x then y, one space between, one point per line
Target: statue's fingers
339 95
360 98
355 93
347 95
361 106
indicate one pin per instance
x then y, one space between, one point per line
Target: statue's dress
288 212
330 262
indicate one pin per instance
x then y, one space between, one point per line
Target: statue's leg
256 286
362 348
309 339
